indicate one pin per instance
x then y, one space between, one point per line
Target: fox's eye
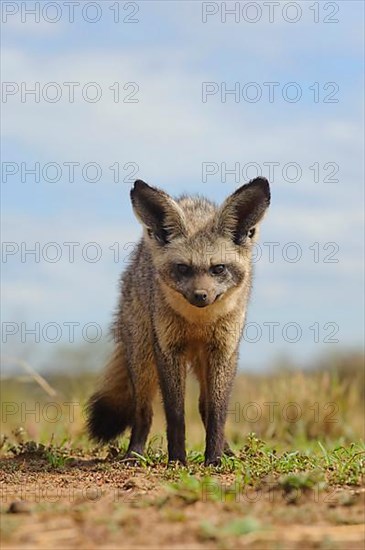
218 269
183 269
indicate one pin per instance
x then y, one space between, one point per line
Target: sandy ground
90 504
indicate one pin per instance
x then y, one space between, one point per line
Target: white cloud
169 132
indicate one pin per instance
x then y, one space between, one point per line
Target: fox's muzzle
202 298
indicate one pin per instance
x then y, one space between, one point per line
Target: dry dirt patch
105 504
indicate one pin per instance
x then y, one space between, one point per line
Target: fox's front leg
220 376
172 374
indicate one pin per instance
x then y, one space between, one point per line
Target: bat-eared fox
183 304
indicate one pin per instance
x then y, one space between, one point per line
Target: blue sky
165 137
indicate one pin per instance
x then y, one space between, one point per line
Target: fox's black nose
200 296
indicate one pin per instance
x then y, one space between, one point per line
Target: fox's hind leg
144 380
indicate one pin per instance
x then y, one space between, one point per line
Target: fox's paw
176 461
132 458
215 463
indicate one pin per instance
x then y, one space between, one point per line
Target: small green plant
55 458
55 455
234 528
191 489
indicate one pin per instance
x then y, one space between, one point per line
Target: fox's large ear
158 212
242 210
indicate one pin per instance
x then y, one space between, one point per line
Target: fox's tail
110 409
